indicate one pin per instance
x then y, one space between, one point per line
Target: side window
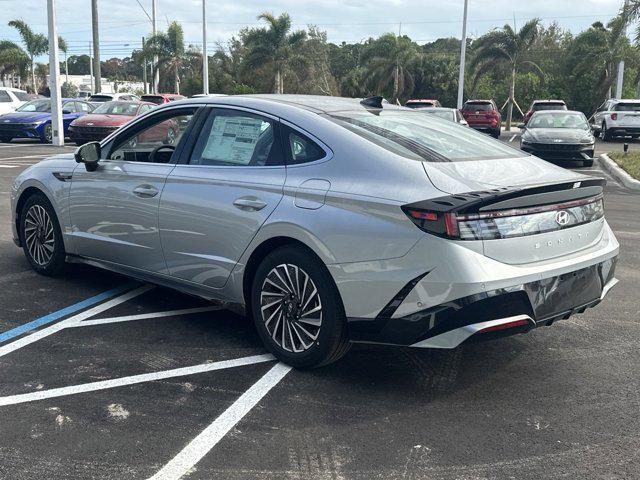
69 107
144 109
4 97
83 107
233 138
300 148
155 140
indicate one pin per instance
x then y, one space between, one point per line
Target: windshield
422 137
446 114
117 108
479 106
35 106
548 106
627 107
558 120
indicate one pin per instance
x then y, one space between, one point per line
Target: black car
559 135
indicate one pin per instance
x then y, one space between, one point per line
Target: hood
102 120
479 175
25 117
556 135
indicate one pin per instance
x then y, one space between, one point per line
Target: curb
618 173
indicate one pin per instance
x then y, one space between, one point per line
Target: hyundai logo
557 140
562 218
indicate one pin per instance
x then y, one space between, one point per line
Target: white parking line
133 379
144 316
210 436
56 327
512 138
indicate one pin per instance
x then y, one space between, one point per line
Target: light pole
205 60
57 129
156 73
463 51
96 47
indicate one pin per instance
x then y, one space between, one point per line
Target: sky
123 22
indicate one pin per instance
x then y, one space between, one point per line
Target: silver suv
327 220
617 118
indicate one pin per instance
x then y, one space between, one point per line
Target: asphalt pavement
104 378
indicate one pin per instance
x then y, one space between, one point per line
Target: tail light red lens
504 326
614 116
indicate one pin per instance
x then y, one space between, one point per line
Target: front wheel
41 236
297 309
47 135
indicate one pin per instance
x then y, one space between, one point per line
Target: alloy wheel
39 237
48 132
291 308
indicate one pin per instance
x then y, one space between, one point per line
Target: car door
217 198
114 209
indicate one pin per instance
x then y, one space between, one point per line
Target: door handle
145 191
251 204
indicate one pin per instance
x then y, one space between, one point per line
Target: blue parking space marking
52 317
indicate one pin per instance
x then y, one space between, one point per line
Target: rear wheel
496 133
297 309
605 134
41 236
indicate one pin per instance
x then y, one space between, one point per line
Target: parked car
83 94
451 114
559 136
329 221
160 98
618 118
538 105
105 119
109 97
422 103
483 115
11 98
33 119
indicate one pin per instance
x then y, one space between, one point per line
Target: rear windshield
548 106
446 114
627 107
153 99
419 104
478 106
421 137
100 98
117 108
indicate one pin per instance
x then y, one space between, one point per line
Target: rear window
548 106
100 98
446 114
22 96
153 99
421 137
627 107
478 106
419 104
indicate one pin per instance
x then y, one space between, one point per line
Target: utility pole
156 73
90 68
205 59
144 70
57 129
96 47
620 76
463 52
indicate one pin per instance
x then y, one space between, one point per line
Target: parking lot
102 377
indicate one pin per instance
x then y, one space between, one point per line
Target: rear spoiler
512 197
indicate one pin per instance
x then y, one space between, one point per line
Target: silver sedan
328 220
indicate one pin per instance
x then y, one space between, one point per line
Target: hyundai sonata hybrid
329 221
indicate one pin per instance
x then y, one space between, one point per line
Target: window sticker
233 139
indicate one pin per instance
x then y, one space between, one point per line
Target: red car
543 105
422 103
160 98
106 118
483 115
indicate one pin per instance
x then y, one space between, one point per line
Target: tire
47 134
5 139
315 341
38 213
587 163
605 134
496 133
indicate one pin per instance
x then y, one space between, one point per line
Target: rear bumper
486 127
623 131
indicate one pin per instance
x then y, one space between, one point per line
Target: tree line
510 66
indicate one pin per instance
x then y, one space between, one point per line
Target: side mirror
522 126
89 154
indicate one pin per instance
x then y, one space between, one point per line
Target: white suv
11 98
618 118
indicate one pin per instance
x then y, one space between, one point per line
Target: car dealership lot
559 401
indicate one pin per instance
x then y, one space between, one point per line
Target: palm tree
34 43
12 58
169 48
506 47
62 45
274 47
389 60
